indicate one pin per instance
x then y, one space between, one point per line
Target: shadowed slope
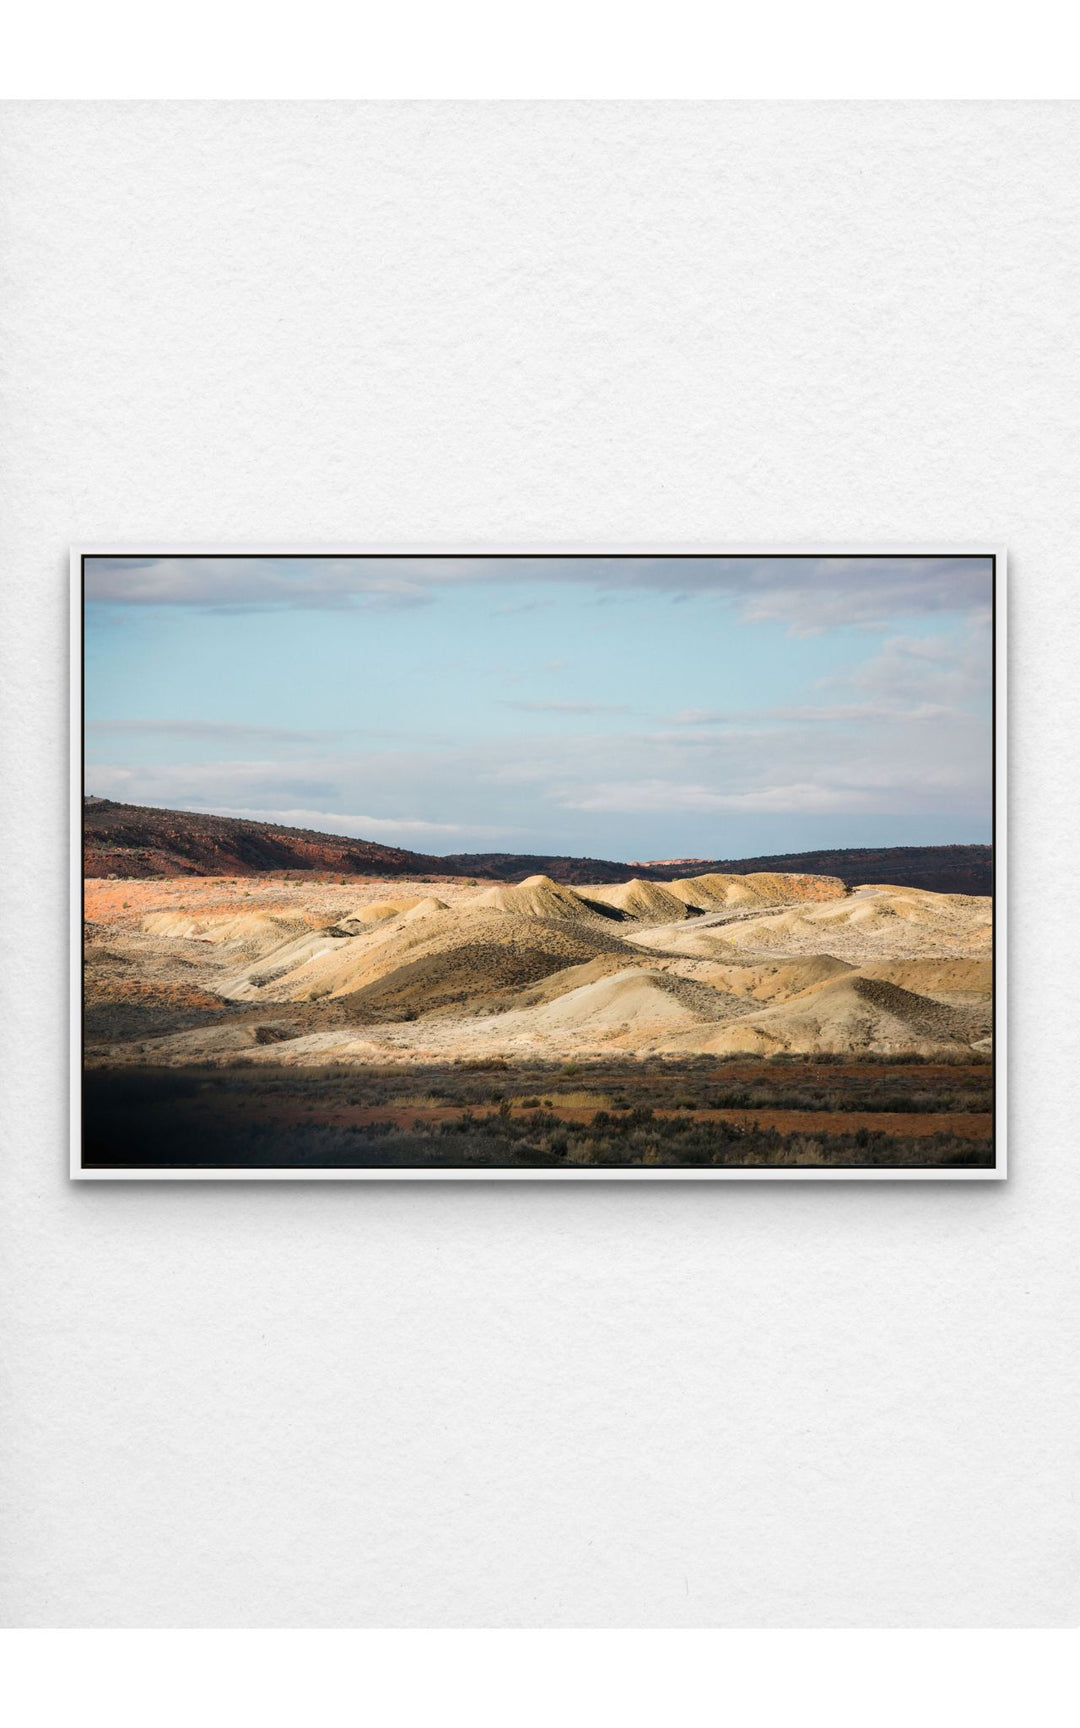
848 1016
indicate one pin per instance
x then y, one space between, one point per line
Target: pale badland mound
699 940
380 909
945 979
850 1016
875 923
646 902
252 930
775 981
426 957
634 998
714 892
537 897
766 964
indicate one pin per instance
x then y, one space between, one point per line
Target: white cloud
800 797
355 827
935 676
839 714
807 594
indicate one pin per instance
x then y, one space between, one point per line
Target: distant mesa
663 863
136 841
133 840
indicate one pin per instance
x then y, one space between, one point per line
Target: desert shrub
141 1116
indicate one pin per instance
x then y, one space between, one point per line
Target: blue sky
627 708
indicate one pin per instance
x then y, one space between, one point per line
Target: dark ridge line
132 840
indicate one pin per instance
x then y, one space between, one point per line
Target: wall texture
740 1404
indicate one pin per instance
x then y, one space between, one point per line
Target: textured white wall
540 1404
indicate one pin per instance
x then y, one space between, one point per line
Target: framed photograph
533 864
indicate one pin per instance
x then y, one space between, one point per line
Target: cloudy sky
627 708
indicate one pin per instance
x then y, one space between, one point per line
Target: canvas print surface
536 865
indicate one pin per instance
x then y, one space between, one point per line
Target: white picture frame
999 1170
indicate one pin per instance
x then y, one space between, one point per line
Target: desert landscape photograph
565 865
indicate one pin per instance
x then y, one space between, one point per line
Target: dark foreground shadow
746 1115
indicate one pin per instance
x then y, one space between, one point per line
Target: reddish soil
132 840
970 1126
181 997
